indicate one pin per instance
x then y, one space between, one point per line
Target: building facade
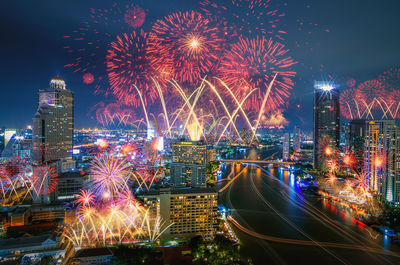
382 158
357 130
187 212
326 117
188 167
53 124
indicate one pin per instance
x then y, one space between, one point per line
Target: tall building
286 146
382 158
296 139
188 211
53 124
326 117
357 130
188 167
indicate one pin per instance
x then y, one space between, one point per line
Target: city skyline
27 49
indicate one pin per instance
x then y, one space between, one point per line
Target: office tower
296 139
2 139
286 146
188 167
382 158
191 211
357 130
326 117
53 124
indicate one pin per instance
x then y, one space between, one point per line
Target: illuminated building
69 184
286 146
296 139
382 158
326 116
53 124
356 142
191 211
188 167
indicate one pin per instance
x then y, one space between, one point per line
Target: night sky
364 41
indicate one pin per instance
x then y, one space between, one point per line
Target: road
278 225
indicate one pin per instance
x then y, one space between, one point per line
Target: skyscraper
53 124
326 117
286 146
382 158
356 140
296 139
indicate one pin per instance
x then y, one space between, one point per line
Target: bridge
249 161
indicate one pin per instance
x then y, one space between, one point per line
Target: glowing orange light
378 162
102 143
328 151
194 43
348 160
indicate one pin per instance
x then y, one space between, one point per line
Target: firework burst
128 66
109 176
187 43
252 63
135 16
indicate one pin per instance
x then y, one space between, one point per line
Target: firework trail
252 63
44 180
188 44
246 17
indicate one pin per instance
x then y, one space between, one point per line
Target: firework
246 17
128 65
85 198
115 114
370 91
252 63
44 180
135 16
88 78
109 176
187 44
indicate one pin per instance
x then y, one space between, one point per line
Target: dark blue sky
364 40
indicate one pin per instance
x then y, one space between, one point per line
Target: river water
296 229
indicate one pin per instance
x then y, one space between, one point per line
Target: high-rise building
188 167
188 211
357 130
296 139
53 124
382 158
326 117
286 146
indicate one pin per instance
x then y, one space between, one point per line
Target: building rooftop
94 252
22 242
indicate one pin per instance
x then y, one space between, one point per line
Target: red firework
88 78
128 66
252 63
13 167
351 107
44 180
135 16
246 17
187 44
370 91
115 114
351 82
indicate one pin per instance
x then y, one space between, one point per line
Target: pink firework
88 78
44 180
351 82
350 106
85 198
109 176
115 114
252 63
186 44
128 66
135 16
245 17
